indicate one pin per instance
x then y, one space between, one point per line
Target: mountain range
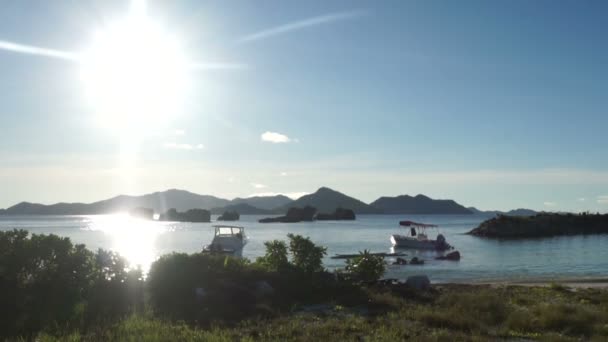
324 199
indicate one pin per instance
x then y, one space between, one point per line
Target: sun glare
135 74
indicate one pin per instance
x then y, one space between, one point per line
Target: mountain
514 212
263 202
158 201
242 209
420 204
326 200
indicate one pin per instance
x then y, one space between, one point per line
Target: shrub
366 267
275 258
306 256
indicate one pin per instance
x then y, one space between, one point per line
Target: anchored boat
418 238
227 240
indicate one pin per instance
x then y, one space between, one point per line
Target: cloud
581 199
186 147
258 185
179 132
602 199
550 204
275 138
37 51
292 195
301 24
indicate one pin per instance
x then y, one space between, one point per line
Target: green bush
275 258
306 256
366 267
47 281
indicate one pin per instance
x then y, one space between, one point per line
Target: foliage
366 267
275 258
306 256
46 281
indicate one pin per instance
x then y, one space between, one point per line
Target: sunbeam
38 51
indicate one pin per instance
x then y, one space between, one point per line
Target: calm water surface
141 242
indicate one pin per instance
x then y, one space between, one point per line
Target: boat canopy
416 224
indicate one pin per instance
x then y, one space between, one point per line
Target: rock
454 256
338 215
416 261
293 215
192 215
418 282
229 216
400 261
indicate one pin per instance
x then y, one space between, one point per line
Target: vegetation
293 215
229 215
55 291
192 215
366 267
542 225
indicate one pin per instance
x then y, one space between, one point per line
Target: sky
497 105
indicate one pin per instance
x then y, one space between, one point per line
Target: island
229 215
142 213
293 215
340 214
542 225
192 215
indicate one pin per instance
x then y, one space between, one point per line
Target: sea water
142 242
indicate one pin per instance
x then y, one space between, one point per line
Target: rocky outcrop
453 256
192 215
229 216
338 215
542 225
293 215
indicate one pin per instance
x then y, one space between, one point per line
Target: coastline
575 283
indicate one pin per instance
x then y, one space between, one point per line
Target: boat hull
413 243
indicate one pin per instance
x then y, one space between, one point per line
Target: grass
446 313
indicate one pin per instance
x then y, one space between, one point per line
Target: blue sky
496 105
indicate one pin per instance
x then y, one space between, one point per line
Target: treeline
49 284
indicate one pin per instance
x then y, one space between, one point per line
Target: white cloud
550 204
179 132
292 195
186 147
301 24
283 174
258 185
581 199
602 199
275 138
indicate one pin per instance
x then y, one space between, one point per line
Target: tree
306 256
366 266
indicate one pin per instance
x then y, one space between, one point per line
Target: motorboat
227 240
418 238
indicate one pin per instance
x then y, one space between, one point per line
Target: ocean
483 260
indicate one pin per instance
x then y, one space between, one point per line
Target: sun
135 75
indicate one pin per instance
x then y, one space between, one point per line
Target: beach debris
416 261
454 256
418 282
400 261
384 255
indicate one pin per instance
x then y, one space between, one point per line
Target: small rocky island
229 215
542 225
294 215
192 215
339 214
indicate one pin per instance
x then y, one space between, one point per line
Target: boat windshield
228 230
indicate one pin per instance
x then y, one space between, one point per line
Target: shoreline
575 283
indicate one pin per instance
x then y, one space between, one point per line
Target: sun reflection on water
133 238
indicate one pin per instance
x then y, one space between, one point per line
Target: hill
326 200
514 212
420 204
242 209
542 225
263 202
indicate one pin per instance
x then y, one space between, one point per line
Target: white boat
418 238
227 240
